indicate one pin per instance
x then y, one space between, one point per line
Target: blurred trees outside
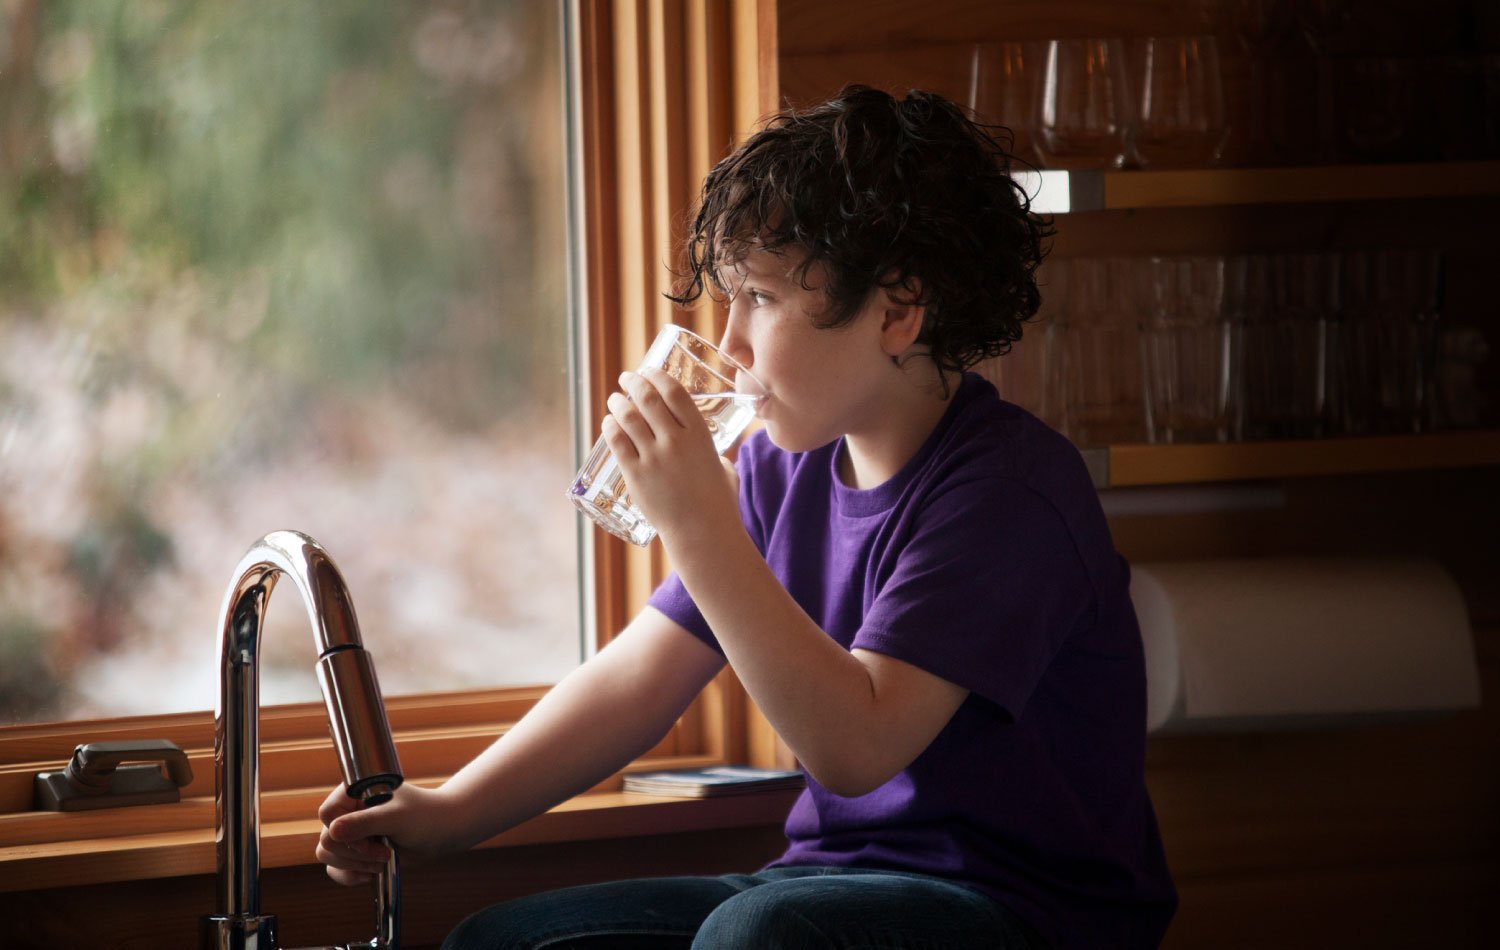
280 265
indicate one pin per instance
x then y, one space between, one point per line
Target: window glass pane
280 265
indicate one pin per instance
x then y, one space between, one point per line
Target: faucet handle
356 717
367 757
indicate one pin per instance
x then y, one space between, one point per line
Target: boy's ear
903 318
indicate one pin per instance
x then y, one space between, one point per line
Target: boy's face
821 381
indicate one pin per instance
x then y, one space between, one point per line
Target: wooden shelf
1121 466
1059 192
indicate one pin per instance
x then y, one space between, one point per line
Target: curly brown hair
911 194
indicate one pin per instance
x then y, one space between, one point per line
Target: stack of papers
713 781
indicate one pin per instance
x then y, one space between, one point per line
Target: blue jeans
779 909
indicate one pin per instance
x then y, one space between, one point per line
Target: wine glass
1180 108
1083 104
1002 90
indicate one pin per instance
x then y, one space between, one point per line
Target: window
657 91
285 265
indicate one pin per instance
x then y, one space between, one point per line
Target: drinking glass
1263 29
1024 376
1381 105
1284 308
1002 90
1083 104
1189 357
1388 337
1179 116
1098 350
726 393
1102 402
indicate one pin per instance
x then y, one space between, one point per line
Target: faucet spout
356 718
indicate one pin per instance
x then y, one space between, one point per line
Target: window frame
656 92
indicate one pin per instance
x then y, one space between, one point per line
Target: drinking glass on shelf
1102 397
1083 104
1179 113
1387 340
1025 375
1283 308
1030 374
1387 360
726 393
1002 90
1189 354
1262 29
1098 351
1379 104
1289 113
1328 25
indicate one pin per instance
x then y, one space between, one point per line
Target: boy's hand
412 820
666 453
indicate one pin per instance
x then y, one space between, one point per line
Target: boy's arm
607 712
854 719
601 716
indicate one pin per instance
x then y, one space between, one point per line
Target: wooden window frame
660 90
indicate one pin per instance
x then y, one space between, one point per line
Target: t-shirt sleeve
672 598
984 592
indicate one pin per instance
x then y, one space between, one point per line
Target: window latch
97 776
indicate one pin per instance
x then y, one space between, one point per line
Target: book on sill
712 781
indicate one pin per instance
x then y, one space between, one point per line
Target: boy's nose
733 344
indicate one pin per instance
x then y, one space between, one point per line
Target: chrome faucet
356 717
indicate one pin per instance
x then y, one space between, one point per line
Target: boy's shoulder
990 437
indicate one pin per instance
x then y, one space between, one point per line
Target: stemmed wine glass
1083 104
1180 108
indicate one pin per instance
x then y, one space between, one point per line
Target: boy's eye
757 298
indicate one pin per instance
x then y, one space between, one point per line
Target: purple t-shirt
987 561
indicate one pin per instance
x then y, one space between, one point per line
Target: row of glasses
1103 103
1335 80
1373 109
1217 348
1390 309
1162 102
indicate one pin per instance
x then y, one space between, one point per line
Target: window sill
435 735
289 841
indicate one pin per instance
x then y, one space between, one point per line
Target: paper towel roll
1292 642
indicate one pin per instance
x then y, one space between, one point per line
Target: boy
912 578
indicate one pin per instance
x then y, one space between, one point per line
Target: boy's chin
789 441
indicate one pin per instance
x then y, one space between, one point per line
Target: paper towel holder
1282 643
